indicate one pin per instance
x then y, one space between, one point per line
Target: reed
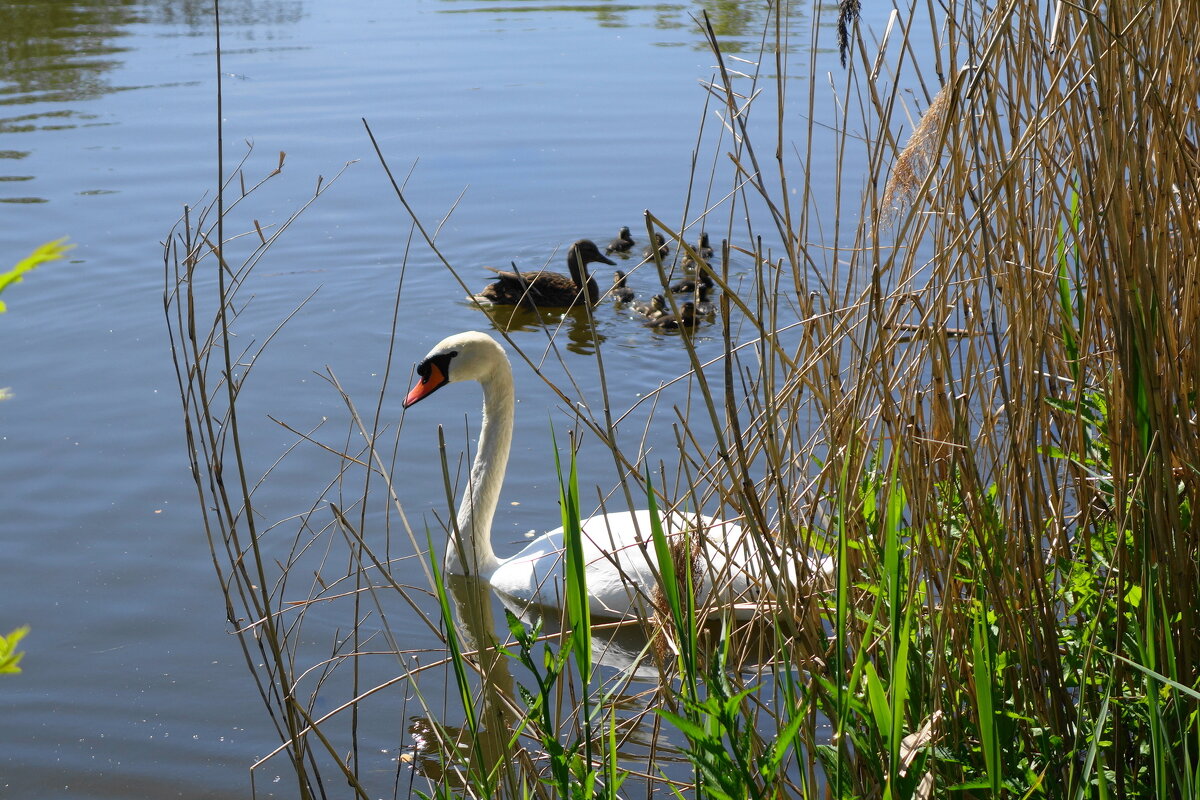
969 375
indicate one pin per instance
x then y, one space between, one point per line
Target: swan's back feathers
622 571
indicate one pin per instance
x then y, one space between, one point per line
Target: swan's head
470 356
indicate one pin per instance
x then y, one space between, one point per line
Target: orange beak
427 385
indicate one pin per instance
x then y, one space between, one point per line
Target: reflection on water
623 649
496 720
198 14
737 23
635 675
54 56
55 52
577 324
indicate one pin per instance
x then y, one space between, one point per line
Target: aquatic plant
43 254
10 656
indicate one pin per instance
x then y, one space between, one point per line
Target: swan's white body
618 550
621 568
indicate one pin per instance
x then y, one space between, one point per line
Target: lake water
559 120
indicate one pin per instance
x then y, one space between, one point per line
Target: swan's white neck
473 555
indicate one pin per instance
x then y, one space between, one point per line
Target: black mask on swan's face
468 356
433 373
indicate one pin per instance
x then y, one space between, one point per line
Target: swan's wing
745 575
620 569
534 575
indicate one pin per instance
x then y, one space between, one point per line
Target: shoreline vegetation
969 376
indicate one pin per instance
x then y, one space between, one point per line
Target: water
559 121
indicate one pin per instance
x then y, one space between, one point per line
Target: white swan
621 568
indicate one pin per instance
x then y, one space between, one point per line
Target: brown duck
541 289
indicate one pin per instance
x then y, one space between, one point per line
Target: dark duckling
663 249
700 285
622 244
671 322
620 292
705 307
656 307
540 289
703 249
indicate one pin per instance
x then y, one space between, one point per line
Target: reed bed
969 376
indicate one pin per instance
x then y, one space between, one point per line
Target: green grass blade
983 664
1089 760
679 594
578 607
50 251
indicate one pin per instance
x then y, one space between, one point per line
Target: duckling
620 292
622 244
701 284
704 306
663 249
655 308
540 289
703 249
669 322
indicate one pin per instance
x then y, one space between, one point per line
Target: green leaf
682 605
774 756
1158 676
452 644
10 658
686 726
574 569
50 251
983 666
877 697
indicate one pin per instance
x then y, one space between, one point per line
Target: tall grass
969 375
